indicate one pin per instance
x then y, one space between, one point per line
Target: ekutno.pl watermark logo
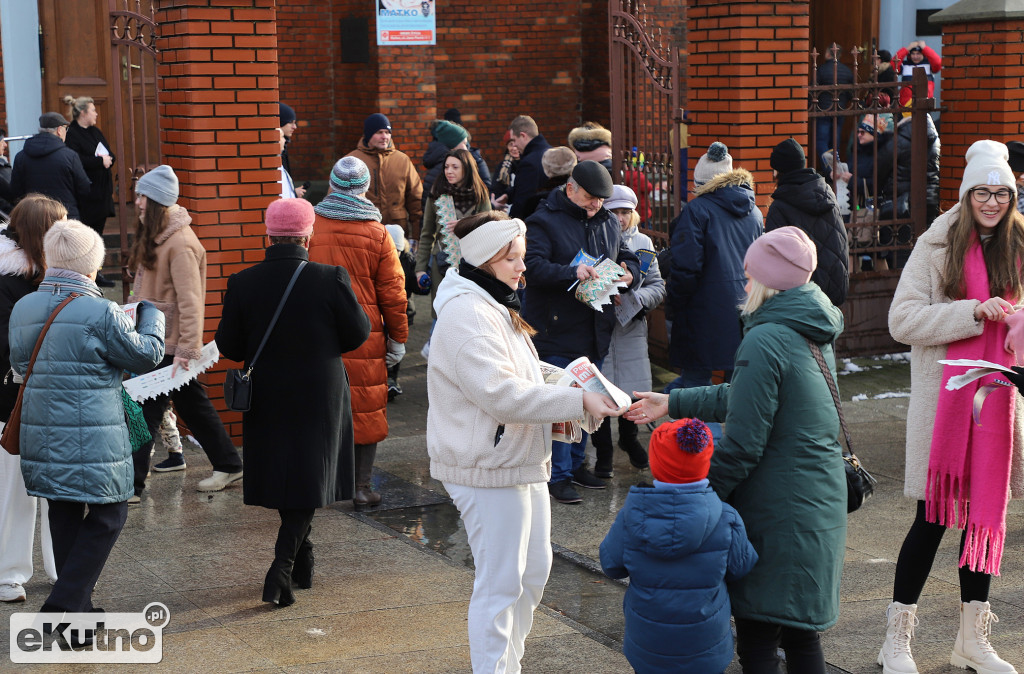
68 638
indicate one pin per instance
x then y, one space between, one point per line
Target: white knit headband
485 241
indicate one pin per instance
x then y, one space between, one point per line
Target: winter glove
395 353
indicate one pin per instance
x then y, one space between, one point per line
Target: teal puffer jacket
779 463
74 442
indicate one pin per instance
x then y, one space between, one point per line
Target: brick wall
982 92
218 79
306 49
748 74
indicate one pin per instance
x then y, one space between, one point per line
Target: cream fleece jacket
923 317
482 376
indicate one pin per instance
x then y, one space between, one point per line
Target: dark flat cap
1016 149
594 178
52 120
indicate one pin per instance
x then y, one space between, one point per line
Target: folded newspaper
581 373
979 369
597 292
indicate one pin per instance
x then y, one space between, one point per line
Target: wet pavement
392 585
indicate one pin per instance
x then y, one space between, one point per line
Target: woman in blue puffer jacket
74 441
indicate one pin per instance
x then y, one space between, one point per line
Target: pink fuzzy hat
290 217
781 259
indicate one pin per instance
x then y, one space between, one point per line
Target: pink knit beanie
781 259
290 217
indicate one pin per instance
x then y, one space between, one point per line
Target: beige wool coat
922 316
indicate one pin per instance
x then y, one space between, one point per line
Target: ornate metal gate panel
646 116
133 61
882 226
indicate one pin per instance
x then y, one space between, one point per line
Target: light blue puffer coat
74 442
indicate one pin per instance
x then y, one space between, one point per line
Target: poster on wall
405 22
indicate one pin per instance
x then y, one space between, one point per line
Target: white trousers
18 525
509 530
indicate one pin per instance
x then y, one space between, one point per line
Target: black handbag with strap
860 484
238 383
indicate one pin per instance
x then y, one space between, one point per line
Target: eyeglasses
866 128
982 195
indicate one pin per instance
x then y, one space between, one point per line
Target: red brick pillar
748 76
218 105
982 84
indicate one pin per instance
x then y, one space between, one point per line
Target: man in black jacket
529 174
48 167
802 199
570 220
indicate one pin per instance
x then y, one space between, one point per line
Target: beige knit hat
485 241
987 165
71 245
715 162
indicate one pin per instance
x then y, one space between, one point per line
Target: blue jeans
566 459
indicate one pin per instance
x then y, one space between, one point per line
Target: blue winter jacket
679 546
74 441
709 241
555 233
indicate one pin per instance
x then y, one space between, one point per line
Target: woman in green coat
778 463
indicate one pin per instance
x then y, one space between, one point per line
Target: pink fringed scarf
968 461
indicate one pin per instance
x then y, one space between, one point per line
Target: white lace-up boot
895 656
972 648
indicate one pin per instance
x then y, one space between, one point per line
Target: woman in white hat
489 433
961 282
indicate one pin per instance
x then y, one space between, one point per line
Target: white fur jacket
923 317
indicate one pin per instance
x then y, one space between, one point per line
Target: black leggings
915 563
757 644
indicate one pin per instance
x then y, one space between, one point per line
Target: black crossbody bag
860 484
238 383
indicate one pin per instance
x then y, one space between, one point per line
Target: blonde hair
78 105
758 295
634 219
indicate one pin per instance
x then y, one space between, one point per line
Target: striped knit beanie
350 176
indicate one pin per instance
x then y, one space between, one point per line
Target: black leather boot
603 449
630 444
302 571
277 587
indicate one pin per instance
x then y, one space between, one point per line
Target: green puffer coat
779 463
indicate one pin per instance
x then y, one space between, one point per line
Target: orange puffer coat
367 251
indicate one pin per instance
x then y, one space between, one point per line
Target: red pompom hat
680 451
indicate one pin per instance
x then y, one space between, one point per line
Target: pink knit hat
290 217
781 259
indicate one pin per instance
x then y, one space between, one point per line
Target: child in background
169 437
408 261
679 545
628 364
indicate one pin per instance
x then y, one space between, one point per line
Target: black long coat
297 435
98 205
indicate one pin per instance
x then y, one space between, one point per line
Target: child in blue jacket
679 545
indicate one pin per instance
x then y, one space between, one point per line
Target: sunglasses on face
866 128
982 195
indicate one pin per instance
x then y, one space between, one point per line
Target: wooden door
75 54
